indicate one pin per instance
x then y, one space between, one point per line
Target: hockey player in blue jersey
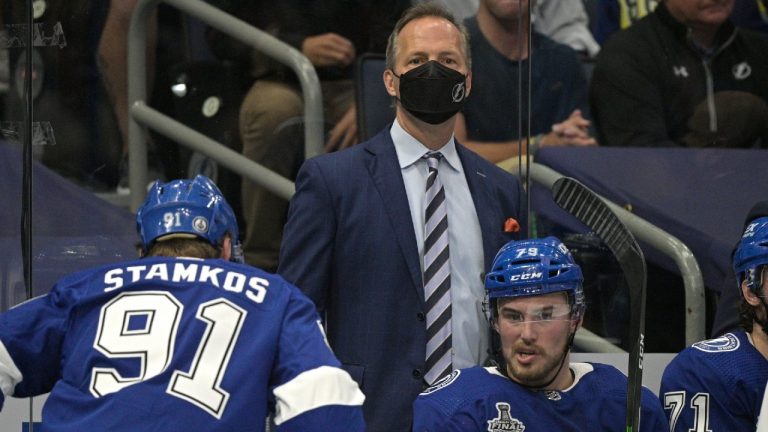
536 303
718 385
183 339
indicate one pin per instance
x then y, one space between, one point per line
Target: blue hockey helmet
535 267
751 254
187 208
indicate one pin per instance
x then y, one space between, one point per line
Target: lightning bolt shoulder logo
442 382
724 343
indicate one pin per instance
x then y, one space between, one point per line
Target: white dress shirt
468 323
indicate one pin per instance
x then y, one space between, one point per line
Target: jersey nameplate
254 288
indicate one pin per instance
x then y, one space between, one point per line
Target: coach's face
700 13
425 39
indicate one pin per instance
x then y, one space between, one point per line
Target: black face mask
432 92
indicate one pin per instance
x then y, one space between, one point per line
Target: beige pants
272 135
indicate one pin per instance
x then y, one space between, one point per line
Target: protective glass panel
64 99
59 153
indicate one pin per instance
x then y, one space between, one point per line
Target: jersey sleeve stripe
313 389
10 375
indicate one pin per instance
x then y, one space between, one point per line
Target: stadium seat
374 105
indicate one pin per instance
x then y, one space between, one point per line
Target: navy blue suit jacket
349 244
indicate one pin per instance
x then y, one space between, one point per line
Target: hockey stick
585 205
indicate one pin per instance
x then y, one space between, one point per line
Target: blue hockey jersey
715 385
482 399
176 344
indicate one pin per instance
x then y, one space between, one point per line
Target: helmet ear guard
187 208
488 310
754 279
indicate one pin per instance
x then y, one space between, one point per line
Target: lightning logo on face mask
458 92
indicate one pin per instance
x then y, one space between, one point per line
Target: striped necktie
437 275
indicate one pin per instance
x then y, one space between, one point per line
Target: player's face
700 13
534 336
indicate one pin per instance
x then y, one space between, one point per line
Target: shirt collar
409 150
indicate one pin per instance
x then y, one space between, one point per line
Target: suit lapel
485 206
384 169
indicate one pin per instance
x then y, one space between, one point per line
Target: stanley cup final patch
504 422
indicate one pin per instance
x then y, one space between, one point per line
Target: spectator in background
461 9
166 47
682 76
362 242
113 61
332 34
614 15
489 122
719 384
564 21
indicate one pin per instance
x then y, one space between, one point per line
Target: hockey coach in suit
390 238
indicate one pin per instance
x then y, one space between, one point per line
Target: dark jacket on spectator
653 87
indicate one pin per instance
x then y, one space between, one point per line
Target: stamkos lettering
232 281
207 274
135 272
157 271
185 274
112 279
526 276
260 286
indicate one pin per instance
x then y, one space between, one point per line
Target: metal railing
693 282
143 115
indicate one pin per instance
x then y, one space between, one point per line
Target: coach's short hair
423 10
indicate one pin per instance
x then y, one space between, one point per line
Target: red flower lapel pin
511 225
